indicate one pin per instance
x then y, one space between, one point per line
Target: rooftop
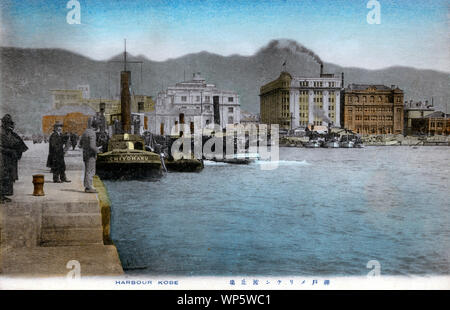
437 114
366 86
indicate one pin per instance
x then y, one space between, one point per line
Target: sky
410 33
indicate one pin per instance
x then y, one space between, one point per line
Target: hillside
27 75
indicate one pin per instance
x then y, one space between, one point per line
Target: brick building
373 109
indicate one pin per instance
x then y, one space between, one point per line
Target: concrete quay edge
39 235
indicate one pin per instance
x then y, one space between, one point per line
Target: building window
140 106
230 120
206 98
197 98
230 99
183 98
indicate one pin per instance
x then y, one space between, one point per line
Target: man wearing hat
57 148
90 151
11 149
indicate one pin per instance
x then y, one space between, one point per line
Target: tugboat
162 145
126 156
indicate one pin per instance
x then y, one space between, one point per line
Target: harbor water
321 212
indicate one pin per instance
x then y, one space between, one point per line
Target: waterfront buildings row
181 104
72 107
295 101
290 101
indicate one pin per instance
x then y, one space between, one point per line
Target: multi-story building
373 109
415 113
181 103
294 101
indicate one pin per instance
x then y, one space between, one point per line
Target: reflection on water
321 212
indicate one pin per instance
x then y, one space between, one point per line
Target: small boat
184 165
347 141
347 144
312 144
331 144
393 142
162 144
359 145
239 159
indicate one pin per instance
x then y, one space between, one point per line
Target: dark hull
128 171
184 165
235 161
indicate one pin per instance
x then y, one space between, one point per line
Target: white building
315 101
179 104
296 101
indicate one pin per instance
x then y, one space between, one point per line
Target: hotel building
294 101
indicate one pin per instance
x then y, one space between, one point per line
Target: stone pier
39 235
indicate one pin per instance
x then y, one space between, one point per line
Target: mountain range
28 75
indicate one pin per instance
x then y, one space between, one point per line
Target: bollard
38 182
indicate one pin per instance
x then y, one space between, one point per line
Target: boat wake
262 162
214 163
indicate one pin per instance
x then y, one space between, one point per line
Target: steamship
126 156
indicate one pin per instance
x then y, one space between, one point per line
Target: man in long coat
58 145
11 149
90 150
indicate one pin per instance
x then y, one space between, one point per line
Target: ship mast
125 95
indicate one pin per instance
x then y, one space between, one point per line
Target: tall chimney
125 100
321 69
342 80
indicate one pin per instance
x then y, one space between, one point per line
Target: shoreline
105 209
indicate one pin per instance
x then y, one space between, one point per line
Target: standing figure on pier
12 147
90 150
58 146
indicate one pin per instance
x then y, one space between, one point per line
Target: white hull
333 144
347 144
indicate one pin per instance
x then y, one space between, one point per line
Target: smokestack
342 80
102 107
321 69
125 101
